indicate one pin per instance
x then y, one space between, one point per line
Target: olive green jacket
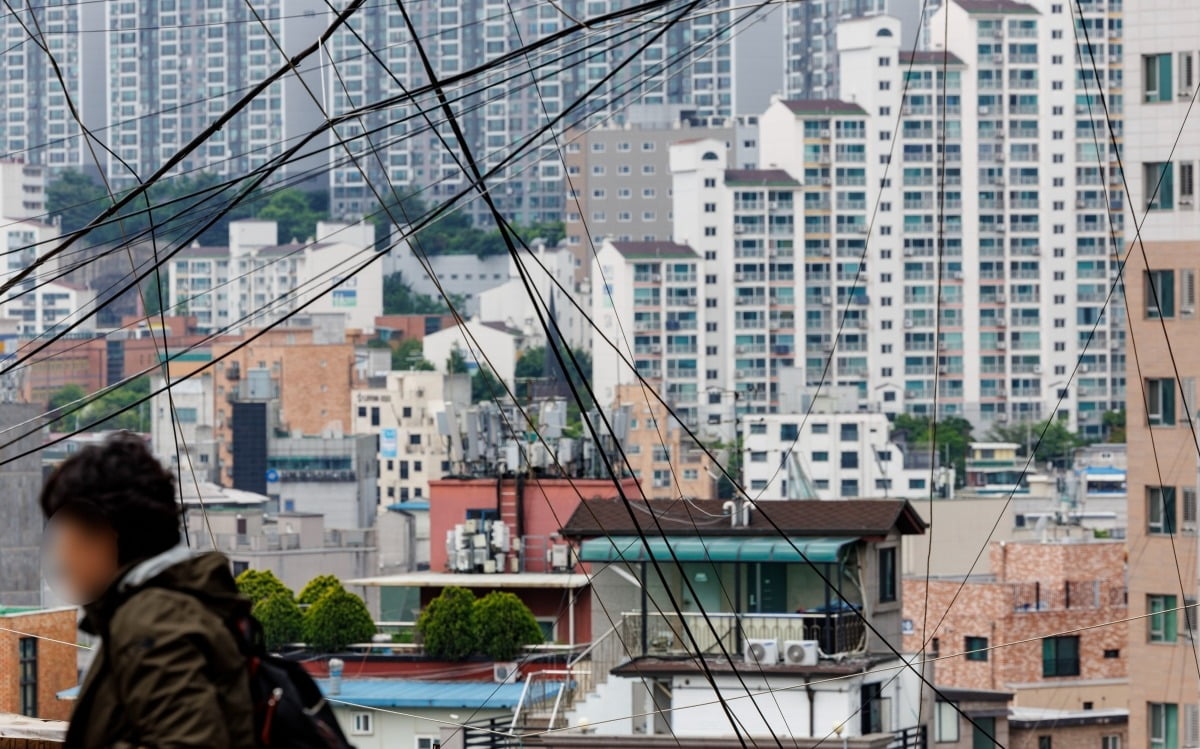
169 672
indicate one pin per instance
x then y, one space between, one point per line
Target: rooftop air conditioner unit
800 652
505 673
762 652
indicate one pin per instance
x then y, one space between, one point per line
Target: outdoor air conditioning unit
505 673
762 652
800 652
560 555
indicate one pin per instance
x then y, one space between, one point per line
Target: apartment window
710 182
1158 185
1187 182
1159 293
428 742
946 728
1162 624
1160 509
362 724
849 432
27 655
1160 401
976 648
850 459
849 488
1045 742
820 456
1156 77
1186 76
1060 656
1111 741
887 574
1163 718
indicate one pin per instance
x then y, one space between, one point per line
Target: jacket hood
206 576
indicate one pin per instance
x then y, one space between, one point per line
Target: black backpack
289 709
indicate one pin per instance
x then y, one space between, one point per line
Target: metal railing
835 632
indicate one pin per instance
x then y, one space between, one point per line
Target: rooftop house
783 594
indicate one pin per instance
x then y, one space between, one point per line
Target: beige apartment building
666 462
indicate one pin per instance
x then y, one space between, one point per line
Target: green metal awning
714 549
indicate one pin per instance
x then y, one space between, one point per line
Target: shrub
259 585
447 625
317 588
336 620
281 619
504 625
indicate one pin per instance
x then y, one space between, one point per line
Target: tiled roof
823 106
847 517
759 177
635 250
199 251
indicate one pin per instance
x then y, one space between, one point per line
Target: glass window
1156 76
28 666
1060 656
1159 293
1162 622
1159 185
887 574
1160 509
1160 401
946 728
1163 718
976 648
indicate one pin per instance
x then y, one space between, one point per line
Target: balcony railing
835 632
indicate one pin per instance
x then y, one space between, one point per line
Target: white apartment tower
970 185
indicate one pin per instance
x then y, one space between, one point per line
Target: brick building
305 381
666 462
34 670
1035 590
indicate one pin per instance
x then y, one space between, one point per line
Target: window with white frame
362 724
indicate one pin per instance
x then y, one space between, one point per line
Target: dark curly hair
121 485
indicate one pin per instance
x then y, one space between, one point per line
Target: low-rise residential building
38 659
296 546
832 455
997 631
550 272
496 343
335 476
666 462
415 414
761 603
256 278
996 468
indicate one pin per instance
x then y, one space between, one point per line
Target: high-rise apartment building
38 127
175 66
1162 367
500 110
811 52
951 259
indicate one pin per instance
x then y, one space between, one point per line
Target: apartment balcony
749 205
665 633
681 278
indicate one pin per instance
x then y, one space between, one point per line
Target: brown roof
760 177
823 106
503 327
643 250
282 250
845 517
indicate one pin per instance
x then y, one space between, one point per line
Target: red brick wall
990 609
57 669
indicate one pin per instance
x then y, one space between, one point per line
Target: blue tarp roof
429 694
1104 471
714 549
415 505
416 694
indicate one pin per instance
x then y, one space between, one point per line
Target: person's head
107 506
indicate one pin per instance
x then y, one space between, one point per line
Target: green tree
447 625
953 438
531 363
281 619
76 199
456 363
317 588
259 585
1055 442
338 619
485 385
65 396
1114 425
410 355
400 299
292 209
504 625
103 410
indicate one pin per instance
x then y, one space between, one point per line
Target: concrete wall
21 531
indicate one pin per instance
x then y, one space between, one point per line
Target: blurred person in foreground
168 671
